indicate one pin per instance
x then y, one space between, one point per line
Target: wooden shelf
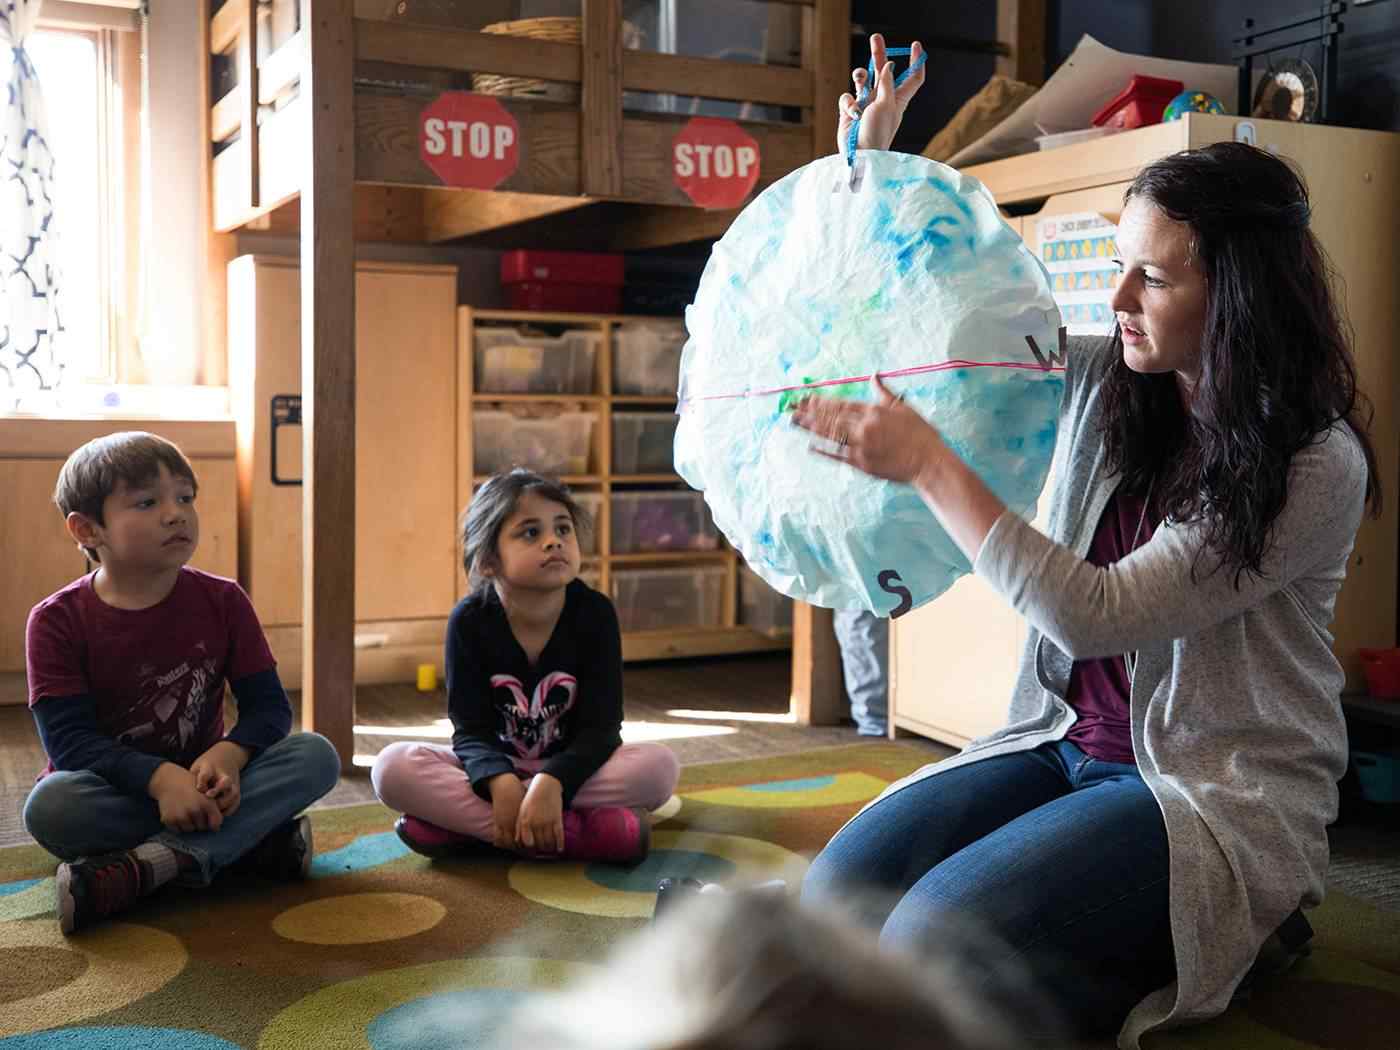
645 645
515 399
645 479
651 557
567 479
701 641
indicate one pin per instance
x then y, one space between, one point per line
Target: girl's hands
887 439
540 826
880 119
506 795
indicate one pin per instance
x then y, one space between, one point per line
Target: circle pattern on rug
579 888
127 1038
838 789
476 1017
359 918
31 897
357 1012
108 981
367 851
33 971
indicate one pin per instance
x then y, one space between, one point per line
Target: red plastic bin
1139 104
570 282
1382 668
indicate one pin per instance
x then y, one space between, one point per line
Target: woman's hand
880 119
541 822
890 440
887 439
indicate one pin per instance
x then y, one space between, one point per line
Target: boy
126 684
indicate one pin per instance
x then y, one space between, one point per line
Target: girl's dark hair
494 502
1276 363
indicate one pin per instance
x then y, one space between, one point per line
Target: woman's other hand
887 439
880 119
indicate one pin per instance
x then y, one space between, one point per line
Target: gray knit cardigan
1236 712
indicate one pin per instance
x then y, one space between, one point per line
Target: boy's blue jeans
79 814
1060 857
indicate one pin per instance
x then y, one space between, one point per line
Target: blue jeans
1061 858
865 646
79 814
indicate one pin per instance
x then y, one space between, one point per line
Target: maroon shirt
156 675
1099 689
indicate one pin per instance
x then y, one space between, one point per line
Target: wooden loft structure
340 162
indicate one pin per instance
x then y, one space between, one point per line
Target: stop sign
714 162
468 140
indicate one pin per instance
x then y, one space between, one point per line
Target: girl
534 691
1155 810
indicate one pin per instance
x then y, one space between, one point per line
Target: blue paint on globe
473 1017
812 289
661 864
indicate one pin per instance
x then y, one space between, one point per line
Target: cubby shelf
725 636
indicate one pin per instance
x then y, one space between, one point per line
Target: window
91 131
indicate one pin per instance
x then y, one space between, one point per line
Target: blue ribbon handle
864 97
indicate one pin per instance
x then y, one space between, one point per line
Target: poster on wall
1078 251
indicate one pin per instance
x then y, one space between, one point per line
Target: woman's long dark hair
1276 363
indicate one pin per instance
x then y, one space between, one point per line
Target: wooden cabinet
601 479
953 662
406 496
40 558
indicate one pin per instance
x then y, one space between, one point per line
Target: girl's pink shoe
611 834
429 839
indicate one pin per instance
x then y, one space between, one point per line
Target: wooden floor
682 704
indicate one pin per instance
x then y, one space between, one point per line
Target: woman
1156 806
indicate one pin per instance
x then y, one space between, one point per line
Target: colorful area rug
384 950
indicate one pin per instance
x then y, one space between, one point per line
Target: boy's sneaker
285 853
93 888
611 834
429 839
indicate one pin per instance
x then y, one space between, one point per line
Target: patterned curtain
29 317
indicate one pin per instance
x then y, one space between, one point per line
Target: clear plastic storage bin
512 362
642 442
592 503
762 608
661 521
548 444
647 357
657 599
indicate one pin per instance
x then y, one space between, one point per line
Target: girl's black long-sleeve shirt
566 708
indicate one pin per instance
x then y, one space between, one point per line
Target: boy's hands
507 794
217 774
183 807
541 825
882 114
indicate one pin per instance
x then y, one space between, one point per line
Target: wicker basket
556 30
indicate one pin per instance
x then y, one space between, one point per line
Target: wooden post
1021 24
818 696
248 81
328 374
600 137
826 52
